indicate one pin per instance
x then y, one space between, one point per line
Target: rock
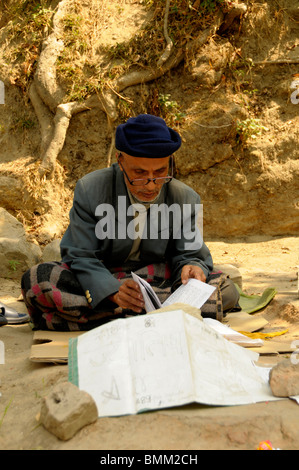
284 379
10 227
52 251
11 193
66 410
16 253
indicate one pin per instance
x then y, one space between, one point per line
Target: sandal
11 316
3 320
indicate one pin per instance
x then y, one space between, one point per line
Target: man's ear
119 158
172 165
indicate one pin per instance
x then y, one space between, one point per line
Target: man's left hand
194 272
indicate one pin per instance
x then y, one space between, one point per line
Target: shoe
3 320
12 316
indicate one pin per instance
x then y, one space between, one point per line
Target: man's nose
151 185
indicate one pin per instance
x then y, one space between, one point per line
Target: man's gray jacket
96 238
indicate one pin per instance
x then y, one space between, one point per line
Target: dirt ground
250 184
263 263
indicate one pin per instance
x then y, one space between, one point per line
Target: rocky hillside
224 74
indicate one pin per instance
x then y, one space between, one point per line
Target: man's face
144 168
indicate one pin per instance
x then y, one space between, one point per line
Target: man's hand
129 296
194 272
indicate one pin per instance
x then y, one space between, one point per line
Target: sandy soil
264 169
263 263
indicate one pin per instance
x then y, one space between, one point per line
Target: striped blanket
56 301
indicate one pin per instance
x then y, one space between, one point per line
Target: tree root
61 121
167 52
276 62
206 34
44 116
47 96
45 75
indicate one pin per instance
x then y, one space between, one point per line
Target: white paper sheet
167 359
150 298
224 373
194 293
232 335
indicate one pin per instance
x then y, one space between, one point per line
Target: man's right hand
129 296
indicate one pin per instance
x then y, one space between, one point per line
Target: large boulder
17 254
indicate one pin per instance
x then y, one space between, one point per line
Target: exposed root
167 52
47 96
45 75
44 116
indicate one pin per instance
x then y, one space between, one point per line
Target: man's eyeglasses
145 181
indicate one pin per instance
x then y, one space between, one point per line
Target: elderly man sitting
134 216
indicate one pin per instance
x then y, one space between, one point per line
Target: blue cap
146 136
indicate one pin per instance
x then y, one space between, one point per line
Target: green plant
249 128
5 411
13 264
41 16
26 123
170 109
29 23
20 123
210 5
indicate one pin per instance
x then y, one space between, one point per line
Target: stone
10 227
17 254
284 379
11 193
66 410
52 251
